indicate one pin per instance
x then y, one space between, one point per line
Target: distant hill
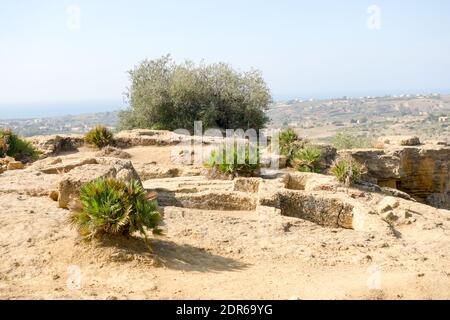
422 115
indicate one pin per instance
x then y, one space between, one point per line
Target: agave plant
347 171
114 207
307 160
100 137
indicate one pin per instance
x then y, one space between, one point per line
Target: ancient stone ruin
278 223
420 170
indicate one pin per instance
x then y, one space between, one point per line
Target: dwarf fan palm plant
290 144
114 207
245 164
100 137
307 160
14 146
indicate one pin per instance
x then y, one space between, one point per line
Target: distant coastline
47 110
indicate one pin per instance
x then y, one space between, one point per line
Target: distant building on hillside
443 119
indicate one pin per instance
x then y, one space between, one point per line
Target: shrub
100 137
218 161
307 160
14 146
347 171
166 95
114 207
290 144
345 140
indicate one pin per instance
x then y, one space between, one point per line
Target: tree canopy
166 95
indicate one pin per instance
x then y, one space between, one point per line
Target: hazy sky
304 48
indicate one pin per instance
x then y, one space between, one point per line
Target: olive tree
166 95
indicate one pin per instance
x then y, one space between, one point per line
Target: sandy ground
213 255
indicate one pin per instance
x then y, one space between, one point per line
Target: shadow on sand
168 254
189 258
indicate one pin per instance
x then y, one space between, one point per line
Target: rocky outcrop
113 152
327 155
58 166
28 182
421 171
55 144
15 165
426 174
9 163
61 179
70 183
400 140
156 171
143 137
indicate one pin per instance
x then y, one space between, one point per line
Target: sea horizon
13 111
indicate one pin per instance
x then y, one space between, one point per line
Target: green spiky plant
218 160
99 136
307 160
348 171
290 144
111 206
14 146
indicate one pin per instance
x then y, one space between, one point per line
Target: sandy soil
213 255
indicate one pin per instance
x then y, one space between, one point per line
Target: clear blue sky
304 48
